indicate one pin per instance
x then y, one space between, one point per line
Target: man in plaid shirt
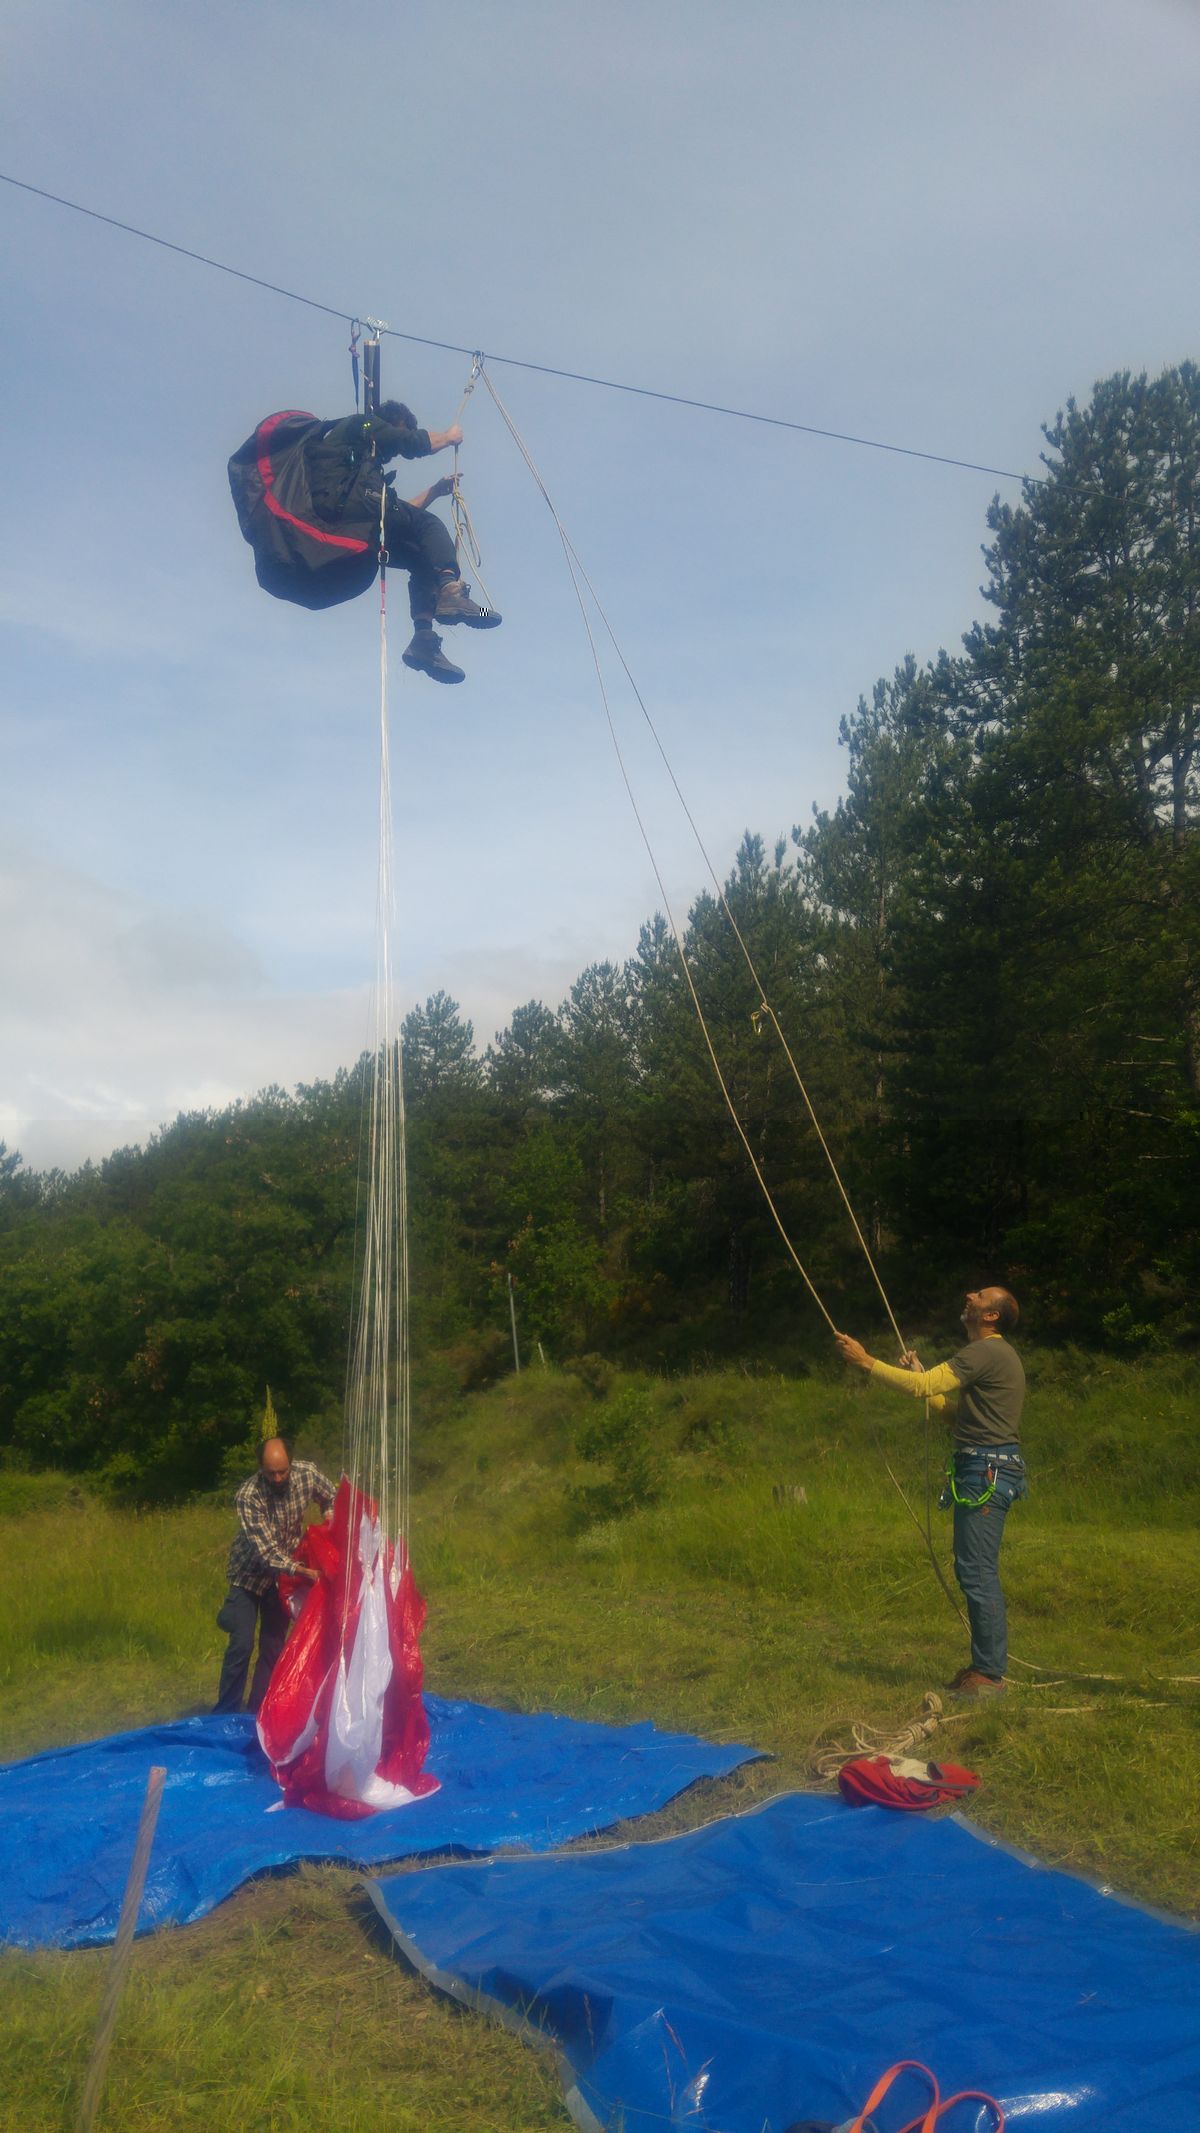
270 1508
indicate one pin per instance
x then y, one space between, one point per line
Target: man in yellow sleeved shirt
987 1383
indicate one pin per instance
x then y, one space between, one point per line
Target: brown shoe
971 1683
425 656
454 604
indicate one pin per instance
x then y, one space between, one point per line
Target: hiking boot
971 1683
425 656
456 605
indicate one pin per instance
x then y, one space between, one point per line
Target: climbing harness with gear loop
952 1494
1001 1467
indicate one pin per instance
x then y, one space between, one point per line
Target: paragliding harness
295 557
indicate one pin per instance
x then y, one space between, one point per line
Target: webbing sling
938 2109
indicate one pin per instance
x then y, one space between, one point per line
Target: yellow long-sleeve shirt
984 1380
932 1385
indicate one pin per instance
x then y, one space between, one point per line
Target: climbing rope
578 580
765 1010
875 1740
465 539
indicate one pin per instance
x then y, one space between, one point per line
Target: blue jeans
978 1532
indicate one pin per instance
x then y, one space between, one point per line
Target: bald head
1005 1306
275 1461
990 1311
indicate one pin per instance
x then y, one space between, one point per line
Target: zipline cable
547 370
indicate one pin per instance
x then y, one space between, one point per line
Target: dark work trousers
243 1613
418 542
978 1532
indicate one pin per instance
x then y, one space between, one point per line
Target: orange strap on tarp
937 2110
884 2083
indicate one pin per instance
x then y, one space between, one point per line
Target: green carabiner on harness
969 1503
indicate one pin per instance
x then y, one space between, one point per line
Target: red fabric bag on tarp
343 1722
896 1781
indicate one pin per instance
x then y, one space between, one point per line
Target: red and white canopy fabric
343 1724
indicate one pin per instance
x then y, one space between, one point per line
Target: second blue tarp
68 1819
767 1969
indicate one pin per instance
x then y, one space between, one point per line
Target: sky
919 221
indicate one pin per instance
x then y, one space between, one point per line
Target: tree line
986 961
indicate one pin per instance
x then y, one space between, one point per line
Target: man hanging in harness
986 1473
309 495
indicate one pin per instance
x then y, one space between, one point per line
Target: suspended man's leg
454 604
419 543
425 655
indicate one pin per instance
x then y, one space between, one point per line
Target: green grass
679 1576
284 2012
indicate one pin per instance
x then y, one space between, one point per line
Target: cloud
119 1014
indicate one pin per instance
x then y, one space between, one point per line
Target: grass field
724 1554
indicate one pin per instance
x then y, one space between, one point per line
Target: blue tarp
768 1968
68 1819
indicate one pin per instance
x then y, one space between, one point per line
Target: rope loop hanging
466 540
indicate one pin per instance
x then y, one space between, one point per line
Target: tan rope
874 1740
577 573
579 576
765 1008
466 540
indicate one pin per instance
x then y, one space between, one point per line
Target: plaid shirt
272 1521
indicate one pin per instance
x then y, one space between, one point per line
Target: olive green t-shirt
992 1392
